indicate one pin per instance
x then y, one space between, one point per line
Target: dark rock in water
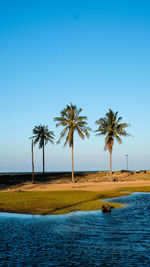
106 208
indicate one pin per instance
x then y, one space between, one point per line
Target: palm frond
42 135
111 127
72 121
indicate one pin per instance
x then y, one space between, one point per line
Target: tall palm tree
32 161
111 127
71 120
42 135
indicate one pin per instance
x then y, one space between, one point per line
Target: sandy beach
87 181
87 186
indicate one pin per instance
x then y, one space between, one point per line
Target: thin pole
127 161
111 166
43 158
72 164
32 162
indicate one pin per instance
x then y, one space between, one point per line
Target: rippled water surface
120 238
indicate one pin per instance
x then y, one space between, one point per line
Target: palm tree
32 161
42 136
71 120
111 127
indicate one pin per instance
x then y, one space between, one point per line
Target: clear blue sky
95 54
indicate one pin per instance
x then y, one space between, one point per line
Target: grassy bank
145 189
60 202
56 202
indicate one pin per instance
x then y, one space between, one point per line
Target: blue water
119 238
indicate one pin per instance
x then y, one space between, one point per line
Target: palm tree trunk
72 164
111 166
32 163
43 159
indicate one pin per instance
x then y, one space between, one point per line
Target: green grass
58 202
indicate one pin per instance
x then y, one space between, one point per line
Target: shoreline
59 211
85 186
53 199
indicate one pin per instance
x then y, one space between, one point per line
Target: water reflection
120 238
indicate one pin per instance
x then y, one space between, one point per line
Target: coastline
86 186
53 199
56 194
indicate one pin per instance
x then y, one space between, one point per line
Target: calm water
121 238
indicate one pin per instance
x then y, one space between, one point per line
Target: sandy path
89 186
